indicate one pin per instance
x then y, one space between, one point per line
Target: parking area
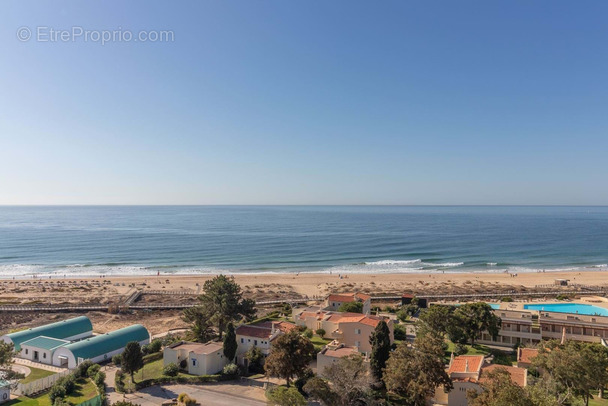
212 395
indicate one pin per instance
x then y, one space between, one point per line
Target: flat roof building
70 330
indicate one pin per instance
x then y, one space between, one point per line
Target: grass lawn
151 370
36 374
500 357
85 390
316 340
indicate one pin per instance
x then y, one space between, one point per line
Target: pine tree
380 340
132 359
230 344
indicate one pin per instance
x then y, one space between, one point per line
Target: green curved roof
61 329
104 343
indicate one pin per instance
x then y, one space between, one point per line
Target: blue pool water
494 305
569 308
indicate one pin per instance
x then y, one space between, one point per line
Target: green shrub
506 299
57 392
184 400
460 349
92 370
100 378
231 370
283 396
119 381
321 332
351 307
155 346
171 370
399 332
308 333
117 359
81 369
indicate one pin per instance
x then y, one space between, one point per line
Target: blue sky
307 102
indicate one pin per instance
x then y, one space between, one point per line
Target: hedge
163 380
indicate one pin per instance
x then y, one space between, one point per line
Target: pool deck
519 304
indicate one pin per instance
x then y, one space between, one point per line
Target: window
242 341
44 355
255 342
357 331
357 343
27 351
193 362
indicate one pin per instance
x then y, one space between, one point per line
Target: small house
196 358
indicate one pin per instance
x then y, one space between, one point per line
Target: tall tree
132 359
289 356
222 301
230 344
577 368
7 352
435 320
380 339
499 390
350 381
415 372
351 307
474 318
201 328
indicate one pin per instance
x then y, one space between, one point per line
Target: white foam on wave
394 262
445 264
492 263
600 266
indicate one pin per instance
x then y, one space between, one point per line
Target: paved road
212 395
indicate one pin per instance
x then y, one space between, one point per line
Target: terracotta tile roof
466 363
253 331
518 375
264 329
306 313
341 352
354 318
526 354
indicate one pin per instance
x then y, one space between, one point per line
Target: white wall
44 356
5 394
206 364
72 362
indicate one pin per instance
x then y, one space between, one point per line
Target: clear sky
305 102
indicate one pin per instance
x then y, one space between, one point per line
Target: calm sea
342 239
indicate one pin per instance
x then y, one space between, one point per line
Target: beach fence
39 385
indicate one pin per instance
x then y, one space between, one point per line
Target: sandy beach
113 290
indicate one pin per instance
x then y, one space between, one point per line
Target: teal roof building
101 347
69 330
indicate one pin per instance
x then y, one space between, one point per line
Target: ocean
142 240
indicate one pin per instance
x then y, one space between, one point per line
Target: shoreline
314 284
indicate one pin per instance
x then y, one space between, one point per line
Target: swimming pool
494 305
576 308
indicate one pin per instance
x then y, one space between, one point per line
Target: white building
5 392
99 348
69 330
259 335
333 353
200 359
41 349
